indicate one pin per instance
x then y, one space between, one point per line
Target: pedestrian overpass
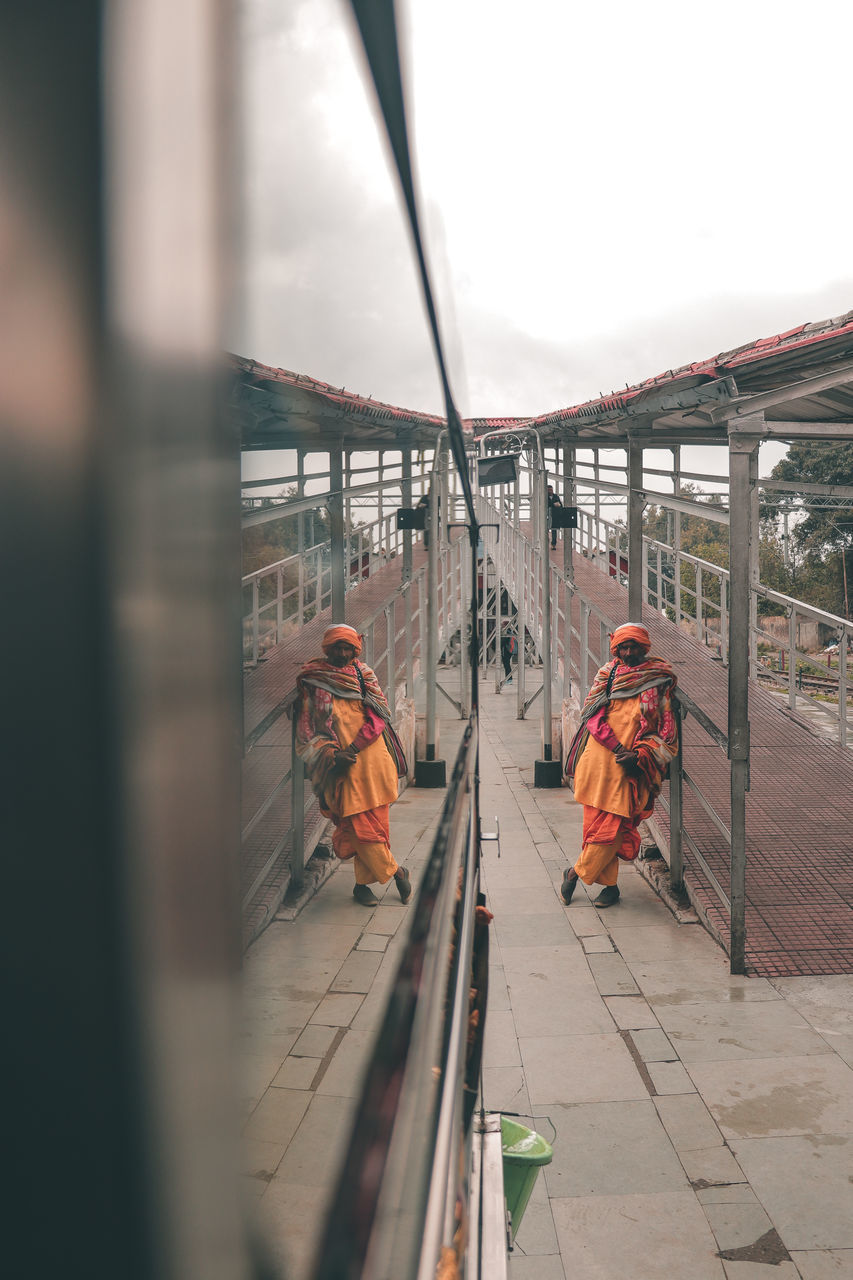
737 821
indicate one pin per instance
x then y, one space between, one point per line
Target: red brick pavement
799 811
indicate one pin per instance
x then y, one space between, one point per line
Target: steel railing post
843 651
390 648
256 620
297 819
676 811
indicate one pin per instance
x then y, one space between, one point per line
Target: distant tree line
818 566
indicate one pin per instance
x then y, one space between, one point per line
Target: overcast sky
611 190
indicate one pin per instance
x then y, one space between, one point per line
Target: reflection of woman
631 738
344 738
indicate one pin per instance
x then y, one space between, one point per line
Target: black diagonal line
378 27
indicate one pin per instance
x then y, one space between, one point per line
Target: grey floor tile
357 972
261 1159
759 1271
278 1115
669 1077
697 980
631 1012
824 1264
545 1005
663 940
537 901
612 976
290 1218
735 1226
296 1073
734 1193
343 1076
598 944
535 1267
716 1032
501 1042
653 1046
584 919
315 1042
315 1151
711 1167
611 1148
504 1089
805 1186
372 942
643 1237
593 1068
688 1122
337 1010
777 1097
529 930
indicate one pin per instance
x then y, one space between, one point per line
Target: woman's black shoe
567 888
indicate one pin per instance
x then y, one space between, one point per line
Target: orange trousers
365 837
607 837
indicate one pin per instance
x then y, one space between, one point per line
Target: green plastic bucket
524 1151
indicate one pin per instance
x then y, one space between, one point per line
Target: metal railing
689 589
281 597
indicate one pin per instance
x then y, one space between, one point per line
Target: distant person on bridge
619 758
553 502
353 757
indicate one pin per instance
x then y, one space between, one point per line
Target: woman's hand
628 759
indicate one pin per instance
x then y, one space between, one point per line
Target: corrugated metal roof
326 410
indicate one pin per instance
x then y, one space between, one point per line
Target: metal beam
794 391
789 430
704 510
801 487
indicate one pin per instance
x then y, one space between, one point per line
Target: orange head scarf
630 631
340 632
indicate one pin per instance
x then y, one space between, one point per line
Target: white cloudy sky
611 190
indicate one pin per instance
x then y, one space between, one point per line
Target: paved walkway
704 1123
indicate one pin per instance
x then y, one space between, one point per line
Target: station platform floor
702 1124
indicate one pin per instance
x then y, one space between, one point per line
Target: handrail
403 1149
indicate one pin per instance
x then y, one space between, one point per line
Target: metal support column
569 500
431 772
547 771
754 571
636 504
741 450
521 605
335 509
300 533
407 502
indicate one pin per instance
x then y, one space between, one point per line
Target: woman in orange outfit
352 756
621 759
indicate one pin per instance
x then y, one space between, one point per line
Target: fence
694 591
